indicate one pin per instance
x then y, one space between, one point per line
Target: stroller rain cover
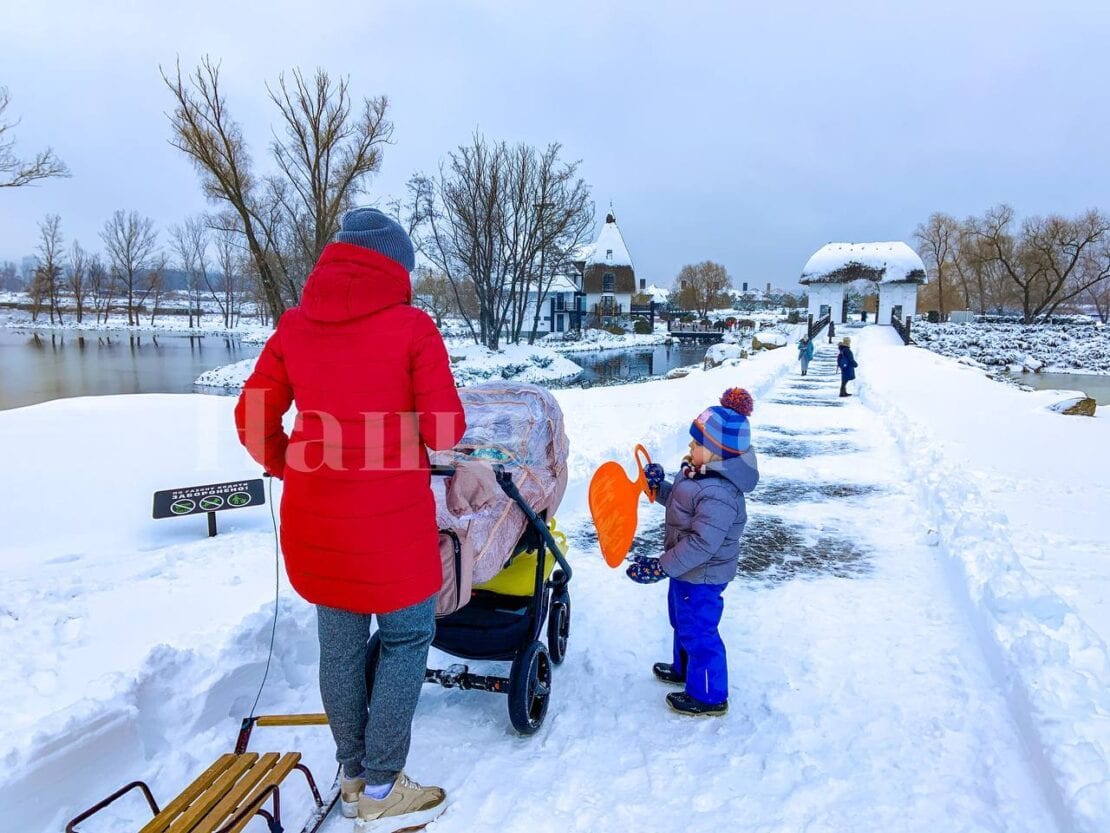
520 426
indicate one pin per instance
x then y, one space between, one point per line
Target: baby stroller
518 595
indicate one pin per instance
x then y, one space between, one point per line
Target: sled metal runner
237 787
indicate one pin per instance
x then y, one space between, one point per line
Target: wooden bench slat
274 776
210 797
203 781
292 720
234 798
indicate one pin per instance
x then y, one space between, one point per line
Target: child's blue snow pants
699 653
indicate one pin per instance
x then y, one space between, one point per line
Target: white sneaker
407 805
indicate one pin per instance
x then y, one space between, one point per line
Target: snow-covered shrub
1051 346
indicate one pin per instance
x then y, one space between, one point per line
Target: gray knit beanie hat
371 229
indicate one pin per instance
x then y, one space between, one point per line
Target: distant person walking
805 353
847 364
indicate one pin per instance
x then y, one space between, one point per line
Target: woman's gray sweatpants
373 739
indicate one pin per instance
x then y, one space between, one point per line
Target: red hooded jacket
372 385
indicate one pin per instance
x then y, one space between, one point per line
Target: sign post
210 499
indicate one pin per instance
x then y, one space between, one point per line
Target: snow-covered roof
562 283
609 249
658 293
582 252
892 262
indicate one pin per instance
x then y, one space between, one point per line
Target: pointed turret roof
609 249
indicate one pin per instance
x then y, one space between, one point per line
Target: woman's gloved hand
645 570
654 475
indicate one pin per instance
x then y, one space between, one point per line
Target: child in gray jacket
706 515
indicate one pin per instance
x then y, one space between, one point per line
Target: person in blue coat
847 364
805 353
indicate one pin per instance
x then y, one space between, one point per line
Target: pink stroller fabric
521 427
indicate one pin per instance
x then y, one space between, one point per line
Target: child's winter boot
683 703
666 672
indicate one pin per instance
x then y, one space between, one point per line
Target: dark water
37 366
40 365
616 366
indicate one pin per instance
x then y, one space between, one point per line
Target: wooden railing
904 330
815 327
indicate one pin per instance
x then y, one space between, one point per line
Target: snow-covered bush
1035 346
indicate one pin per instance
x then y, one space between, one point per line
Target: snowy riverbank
249 331
596 340
470 363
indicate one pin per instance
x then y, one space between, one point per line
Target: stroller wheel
373 654
529 688
558 627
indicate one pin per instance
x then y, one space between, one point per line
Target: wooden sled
234 789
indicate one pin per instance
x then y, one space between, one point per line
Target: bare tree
101 287
936 243
16 172
702 287
77 278
130 241
463 215
50 273
564 220
154 285
1050 261
1099 297
189 243
323 154
228 291
206 132
38 290
501 221
432 292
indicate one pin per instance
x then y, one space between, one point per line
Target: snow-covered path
860 699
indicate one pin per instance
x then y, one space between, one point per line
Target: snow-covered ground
882 677
470 363
593 340
1074 348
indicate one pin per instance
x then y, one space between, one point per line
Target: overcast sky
750 134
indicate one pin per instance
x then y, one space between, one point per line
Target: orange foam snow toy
613 505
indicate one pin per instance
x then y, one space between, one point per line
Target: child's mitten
654 475
644 570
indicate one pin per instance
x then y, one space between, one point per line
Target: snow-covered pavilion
894 266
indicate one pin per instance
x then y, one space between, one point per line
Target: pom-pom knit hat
724 428
372 229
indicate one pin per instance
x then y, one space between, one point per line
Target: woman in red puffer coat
372 384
